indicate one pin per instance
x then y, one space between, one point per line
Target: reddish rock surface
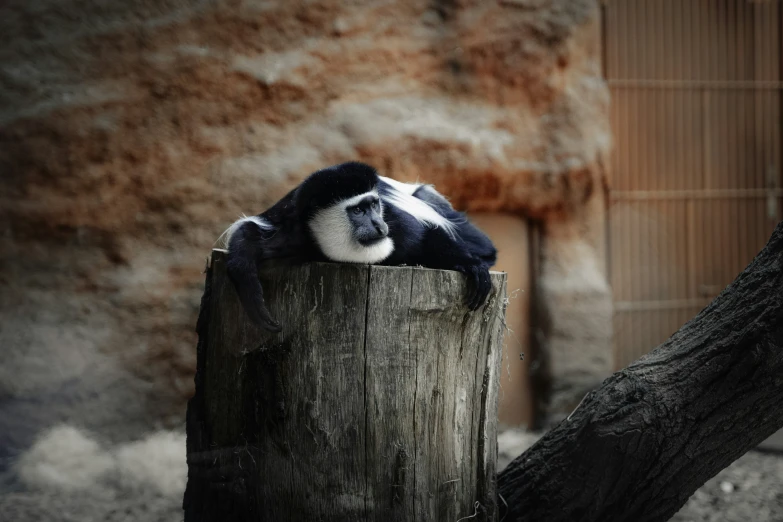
133 133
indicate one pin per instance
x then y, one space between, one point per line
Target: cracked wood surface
639 446
377 401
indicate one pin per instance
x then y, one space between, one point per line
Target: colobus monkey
348 213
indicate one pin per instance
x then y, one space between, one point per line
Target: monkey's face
366 218
353 230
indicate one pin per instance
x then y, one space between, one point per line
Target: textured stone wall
573 316
132 133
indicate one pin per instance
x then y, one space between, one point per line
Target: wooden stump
377 401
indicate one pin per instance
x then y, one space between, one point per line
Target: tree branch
639 446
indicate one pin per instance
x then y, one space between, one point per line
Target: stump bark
639 446
377 401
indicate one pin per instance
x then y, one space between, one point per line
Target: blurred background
624 155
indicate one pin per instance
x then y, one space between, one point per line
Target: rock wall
573 315
133 133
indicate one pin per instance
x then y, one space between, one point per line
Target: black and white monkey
348 213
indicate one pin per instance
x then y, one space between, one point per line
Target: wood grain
377 401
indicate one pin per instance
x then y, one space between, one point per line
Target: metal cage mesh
695 171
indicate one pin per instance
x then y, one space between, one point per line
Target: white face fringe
334 234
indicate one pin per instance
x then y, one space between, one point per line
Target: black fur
331 185
469 250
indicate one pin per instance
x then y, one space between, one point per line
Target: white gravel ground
68 476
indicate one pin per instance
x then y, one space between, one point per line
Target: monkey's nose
382 229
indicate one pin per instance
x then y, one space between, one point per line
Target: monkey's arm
245 252
252 241
470 252
443 251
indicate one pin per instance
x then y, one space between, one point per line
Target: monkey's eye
358 210
375 205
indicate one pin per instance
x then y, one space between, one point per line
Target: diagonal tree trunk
639 446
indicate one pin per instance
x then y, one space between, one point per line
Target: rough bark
377 401
639 446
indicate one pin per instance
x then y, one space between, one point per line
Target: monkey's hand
259 313
244 276
479 283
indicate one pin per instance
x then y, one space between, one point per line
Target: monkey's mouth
371 241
